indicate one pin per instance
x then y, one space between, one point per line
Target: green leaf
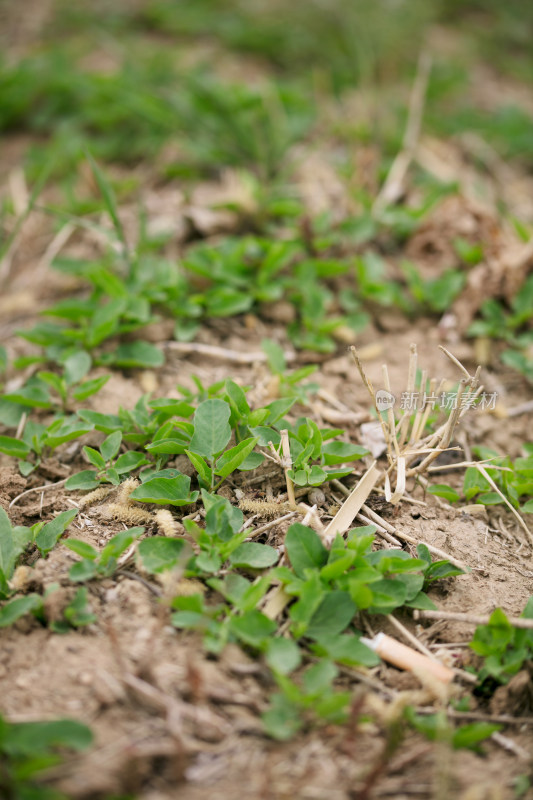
13 542
333 615
319 677
204 471
253 628
66 431
233 458
490 498
281 720
51 532
76 367
106 423
346 649
283 655
117 545
443 490
171 491
84 480
211 428
108 196
81 548
82 571
160 553
422 601
339 452
237 399
14 447
14 609
111 445
305 549
30 738
254 555
387 596
469 736
138 354
88 388
129 461
94 457
32 396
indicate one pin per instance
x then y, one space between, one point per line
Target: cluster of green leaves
28 748
156 101
503 647
94 564
511 325
437 727
513 478
15 540
327 588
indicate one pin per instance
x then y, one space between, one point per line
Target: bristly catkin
127 514
125 489
94 496
166 522
264 509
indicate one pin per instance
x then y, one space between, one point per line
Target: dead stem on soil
222 353
44 488
474 619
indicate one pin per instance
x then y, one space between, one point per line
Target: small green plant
15 540
109 468
513 478
503 647
100 565
29 748
511 325
436 727
76 614
310 444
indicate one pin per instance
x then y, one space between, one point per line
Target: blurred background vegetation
236 82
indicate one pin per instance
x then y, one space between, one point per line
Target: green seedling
222 539
503 647
28 748
77 614
15 540
310 444
511 326
514 479
109 468
290 383
436 727
100 565
312 696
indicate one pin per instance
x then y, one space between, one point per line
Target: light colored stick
43 488
222 353
411 377
474 619
352 505
392 189
287 465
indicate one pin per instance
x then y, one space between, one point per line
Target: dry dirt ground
170 721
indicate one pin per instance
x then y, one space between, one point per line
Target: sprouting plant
310 444
15 540
102 565
503 647
109 468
